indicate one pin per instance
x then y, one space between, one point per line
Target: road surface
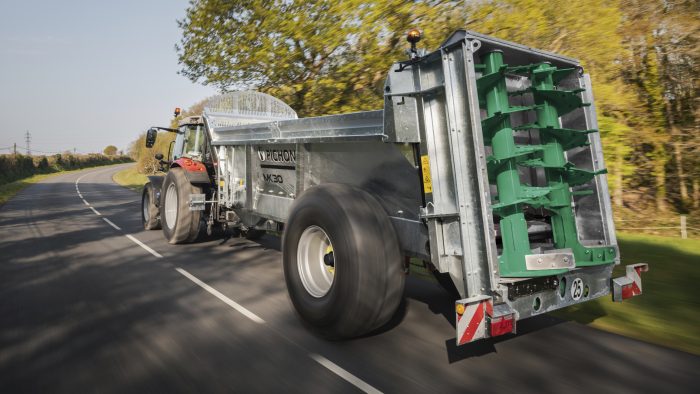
91 302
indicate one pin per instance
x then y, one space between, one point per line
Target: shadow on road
82 306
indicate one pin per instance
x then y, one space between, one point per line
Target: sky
86 74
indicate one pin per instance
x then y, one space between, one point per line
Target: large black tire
368 280
185 225
150 215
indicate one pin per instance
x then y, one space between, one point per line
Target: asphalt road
84 308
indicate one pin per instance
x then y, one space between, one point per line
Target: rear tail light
502 325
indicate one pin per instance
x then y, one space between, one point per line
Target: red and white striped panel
471 325
634 272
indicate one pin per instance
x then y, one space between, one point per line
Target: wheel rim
316 275
171 206
146 203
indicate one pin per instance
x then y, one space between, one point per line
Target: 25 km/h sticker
576 289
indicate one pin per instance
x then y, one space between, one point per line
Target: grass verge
130 178
668 312
8 190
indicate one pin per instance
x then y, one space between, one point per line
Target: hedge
14 167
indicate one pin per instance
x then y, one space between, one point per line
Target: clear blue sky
87 74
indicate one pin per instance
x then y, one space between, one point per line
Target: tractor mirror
151 137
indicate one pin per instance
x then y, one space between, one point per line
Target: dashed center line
143 245
350 378
112 224
233 304
326 363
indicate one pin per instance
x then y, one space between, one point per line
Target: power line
35 150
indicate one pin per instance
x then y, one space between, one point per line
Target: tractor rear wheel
342 261
180 224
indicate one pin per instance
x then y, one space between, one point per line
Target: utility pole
15 149
28 139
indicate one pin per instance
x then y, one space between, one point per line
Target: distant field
130 178
668 312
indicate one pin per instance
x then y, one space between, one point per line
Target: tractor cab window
190 142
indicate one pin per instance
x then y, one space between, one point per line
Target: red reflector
502 325
627 291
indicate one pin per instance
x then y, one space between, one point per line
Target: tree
110 150
662 70
325 57
320 57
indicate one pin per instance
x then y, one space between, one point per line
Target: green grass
668 312
130 178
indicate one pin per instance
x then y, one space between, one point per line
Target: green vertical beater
549 104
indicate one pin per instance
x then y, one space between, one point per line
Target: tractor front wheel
150 216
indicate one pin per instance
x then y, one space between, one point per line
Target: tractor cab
191 141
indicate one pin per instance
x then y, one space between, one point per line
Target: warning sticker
427 180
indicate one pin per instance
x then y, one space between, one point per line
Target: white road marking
143 245
112 224
350 378
131 237
326 363
233 304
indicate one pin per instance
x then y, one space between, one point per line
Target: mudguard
195 171
157 183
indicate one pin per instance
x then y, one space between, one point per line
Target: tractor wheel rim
171 206
316 276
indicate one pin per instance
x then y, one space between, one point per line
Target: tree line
326 57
